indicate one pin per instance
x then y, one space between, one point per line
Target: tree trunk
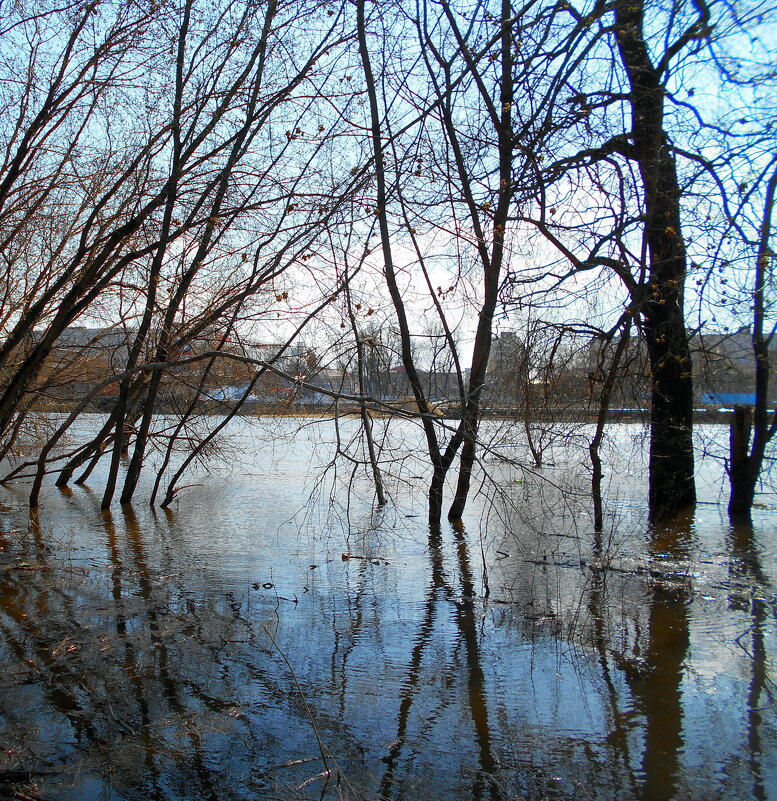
605 399
490 262
93 447
671 425
660 301
141 439
746 460
741 467
408 361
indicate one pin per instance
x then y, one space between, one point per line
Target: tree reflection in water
747 573
136 663
657 689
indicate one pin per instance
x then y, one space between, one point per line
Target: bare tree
196 203
459 132
632 223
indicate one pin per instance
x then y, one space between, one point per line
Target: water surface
272 635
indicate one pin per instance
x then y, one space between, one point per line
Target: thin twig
302 696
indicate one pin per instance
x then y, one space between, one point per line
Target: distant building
507 370
520 373
723 364
85 357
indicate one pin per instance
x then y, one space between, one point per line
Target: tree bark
741 472
661 298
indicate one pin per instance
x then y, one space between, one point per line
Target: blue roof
728 398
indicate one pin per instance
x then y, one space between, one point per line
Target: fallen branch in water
371 559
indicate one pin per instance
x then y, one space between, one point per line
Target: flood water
272 635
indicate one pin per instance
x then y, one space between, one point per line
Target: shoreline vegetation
204 204
401 408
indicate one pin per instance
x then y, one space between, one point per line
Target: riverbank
252 408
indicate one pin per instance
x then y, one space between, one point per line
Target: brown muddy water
226 649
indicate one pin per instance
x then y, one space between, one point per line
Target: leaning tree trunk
605 398
661 303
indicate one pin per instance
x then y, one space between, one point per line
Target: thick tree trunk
671 414
661 300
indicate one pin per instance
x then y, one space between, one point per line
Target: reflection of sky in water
608 670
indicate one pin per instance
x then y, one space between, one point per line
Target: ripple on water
195 653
